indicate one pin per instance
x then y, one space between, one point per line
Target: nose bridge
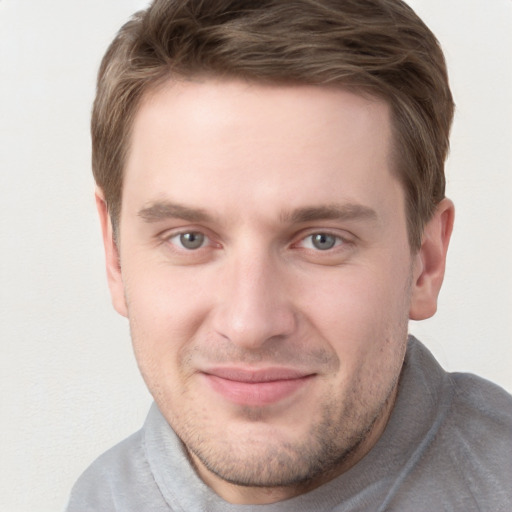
254 305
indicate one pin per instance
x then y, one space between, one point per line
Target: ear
430 261
112 259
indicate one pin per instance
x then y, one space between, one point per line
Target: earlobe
112 259
430 262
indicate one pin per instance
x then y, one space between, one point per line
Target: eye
321 241
190 240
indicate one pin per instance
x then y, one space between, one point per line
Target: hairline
168 76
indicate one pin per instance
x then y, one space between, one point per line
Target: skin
255 175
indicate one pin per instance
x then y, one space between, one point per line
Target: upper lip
257 374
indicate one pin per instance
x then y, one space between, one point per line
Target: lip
258 387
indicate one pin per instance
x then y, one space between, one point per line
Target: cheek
165 312
162 297
359 311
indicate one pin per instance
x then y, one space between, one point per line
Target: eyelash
339 241
172 236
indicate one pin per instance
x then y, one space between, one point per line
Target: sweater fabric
447 447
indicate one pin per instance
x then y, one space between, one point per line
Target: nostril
251 325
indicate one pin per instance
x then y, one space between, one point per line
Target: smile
256 388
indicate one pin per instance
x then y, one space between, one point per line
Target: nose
254 305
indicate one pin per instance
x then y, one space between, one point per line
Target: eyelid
169 234
345 238
177 237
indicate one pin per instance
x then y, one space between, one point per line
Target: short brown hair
380 47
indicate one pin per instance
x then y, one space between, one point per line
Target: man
271 193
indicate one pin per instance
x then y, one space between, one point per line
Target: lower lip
256 394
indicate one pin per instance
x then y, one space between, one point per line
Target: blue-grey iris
323 241
192 240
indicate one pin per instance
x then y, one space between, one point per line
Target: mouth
256 388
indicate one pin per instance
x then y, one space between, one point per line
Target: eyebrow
163 210
159 211
350 211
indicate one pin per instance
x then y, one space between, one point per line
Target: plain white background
69 386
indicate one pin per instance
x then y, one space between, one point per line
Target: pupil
323 241
192 240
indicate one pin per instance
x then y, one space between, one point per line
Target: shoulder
481 410
473 447
120 479
465 401
462 455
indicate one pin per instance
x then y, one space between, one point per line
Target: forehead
212 142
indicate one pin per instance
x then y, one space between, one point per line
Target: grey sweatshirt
447 447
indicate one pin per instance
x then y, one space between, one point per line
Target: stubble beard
330 447
336 441
327 450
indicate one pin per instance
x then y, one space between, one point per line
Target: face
267 277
